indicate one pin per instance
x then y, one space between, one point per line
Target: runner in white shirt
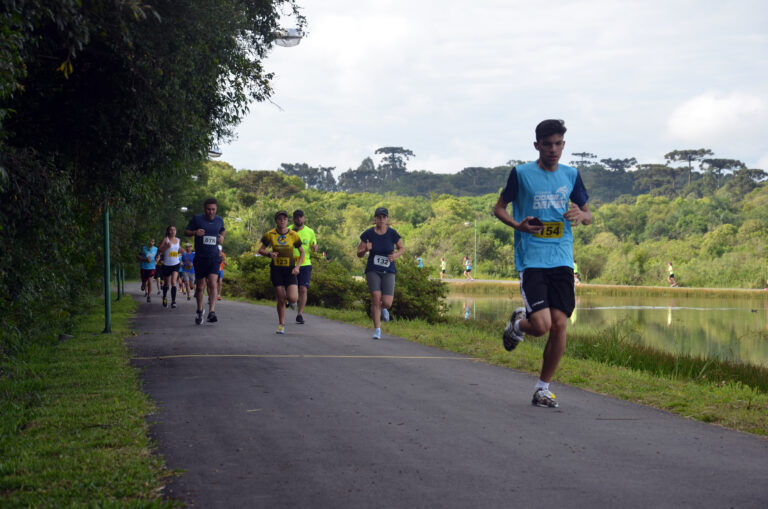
169 252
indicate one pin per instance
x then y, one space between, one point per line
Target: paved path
324 416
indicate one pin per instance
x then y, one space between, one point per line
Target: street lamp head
467 223
184 209
214 151
288 37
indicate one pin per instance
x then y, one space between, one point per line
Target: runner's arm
500 211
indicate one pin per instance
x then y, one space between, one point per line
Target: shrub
416 296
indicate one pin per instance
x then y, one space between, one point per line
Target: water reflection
733 329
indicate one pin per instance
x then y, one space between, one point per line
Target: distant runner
309 241
540 192
379 243
208 230
188 269
443 267
220 280
148 267
671 276
467 268
283 269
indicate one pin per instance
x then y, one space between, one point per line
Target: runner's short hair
550 127
210 201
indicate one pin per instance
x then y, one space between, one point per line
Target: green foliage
416 296
99 109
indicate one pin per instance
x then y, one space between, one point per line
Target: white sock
377 330
542 385
517 327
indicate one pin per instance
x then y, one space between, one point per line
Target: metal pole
474 265
107 279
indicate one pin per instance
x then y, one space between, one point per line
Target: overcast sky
465 83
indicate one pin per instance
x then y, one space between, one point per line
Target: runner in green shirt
309 241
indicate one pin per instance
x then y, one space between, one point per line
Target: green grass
72 422
606 363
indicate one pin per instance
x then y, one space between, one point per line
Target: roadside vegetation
72 421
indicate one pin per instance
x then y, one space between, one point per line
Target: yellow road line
296 356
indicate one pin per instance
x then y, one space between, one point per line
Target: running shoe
544 398
292 305
218 298
159 292
376 334
188 297
385 314
280 329
299 319
510 337
212 317
149 299
165 302
173 305
199 317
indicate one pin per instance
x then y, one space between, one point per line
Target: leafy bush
331 286
416 296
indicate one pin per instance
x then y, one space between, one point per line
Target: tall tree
688 156
393 163
718 167
584 159
620 165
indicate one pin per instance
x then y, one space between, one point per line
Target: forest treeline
718 240
694 173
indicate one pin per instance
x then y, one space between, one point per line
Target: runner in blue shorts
548 199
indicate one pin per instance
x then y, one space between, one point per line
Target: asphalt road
326 417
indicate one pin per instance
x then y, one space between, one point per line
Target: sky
464 84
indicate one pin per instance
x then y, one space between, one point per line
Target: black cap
298 213
281 213
381 211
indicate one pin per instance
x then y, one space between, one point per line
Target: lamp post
474 263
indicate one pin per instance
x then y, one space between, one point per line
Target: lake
733 329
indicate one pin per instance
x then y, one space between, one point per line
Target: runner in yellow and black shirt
283 269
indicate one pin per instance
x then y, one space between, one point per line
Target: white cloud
711 117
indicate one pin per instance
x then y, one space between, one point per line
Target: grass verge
72 422
603 363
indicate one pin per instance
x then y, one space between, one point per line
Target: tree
585 159
316 178
718 167
392 165
689 156
364 178
654 177
619 165
107 103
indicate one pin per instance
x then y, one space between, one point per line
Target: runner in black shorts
283 269
548 200
208 230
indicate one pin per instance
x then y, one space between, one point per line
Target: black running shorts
548 288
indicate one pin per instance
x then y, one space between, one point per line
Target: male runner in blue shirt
542 217
208 230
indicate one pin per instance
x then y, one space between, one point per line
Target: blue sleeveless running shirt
544 194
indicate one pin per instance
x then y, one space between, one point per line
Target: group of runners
548 199
172 265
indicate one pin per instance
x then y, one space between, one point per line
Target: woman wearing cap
383 246
283 269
